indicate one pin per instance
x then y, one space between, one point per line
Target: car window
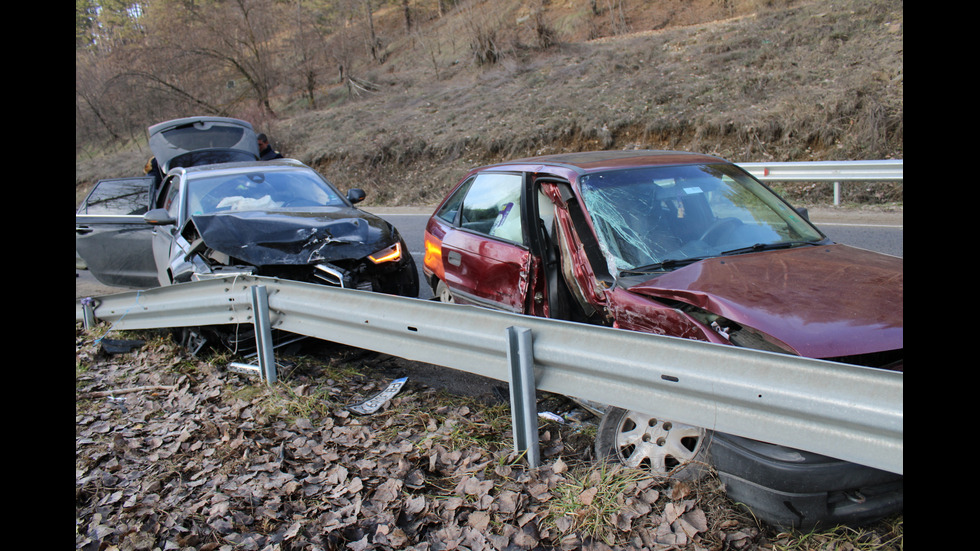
168 196
492 206
450 209
129 196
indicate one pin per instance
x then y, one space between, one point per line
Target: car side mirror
802 211
158 217
356 195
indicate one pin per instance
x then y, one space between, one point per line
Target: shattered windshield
260 190
656 219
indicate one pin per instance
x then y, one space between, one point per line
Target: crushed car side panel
486 273
638 313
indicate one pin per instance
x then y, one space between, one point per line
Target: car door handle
454 258
82 230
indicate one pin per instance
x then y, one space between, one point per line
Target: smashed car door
574 266
485 257
111 235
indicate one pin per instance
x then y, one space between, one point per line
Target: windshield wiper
768 247
672 263
664 266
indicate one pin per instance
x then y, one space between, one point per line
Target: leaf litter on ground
194 456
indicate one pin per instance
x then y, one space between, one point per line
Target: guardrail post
263 334
88 313
523 404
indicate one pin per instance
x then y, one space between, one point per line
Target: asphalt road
868 229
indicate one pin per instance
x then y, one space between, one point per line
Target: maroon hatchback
691 246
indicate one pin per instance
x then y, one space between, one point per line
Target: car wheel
410 277
658 445
443 294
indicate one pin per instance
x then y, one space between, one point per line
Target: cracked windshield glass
656 219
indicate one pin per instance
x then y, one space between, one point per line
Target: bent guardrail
844 411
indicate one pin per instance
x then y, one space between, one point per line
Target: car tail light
433 255
389 254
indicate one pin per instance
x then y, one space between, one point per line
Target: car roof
594 161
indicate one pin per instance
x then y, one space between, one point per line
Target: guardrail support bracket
523 404
263 334
88 313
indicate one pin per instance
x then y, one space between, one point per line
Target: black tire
403 282
409 277
663 447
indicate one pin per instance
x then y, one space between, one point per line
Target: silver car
273 218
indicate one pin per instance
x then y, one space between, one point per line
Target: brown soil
779 80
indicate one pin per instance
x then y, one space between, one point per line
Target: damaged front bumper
324 272
338 277
395 278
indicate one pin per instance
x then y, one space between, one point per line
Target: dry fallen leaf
586 497
479 520
228 468
680 490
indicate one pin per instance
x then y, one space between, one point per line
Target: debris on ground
175 452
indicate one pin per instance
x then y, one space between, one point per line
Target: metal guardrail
840 410
828 171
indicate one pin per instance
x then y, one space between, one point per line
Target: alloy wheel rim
662 446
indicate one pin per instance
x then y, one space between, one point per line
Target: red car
685 245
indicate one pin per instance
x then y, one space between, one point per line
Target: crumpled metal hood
286 238
824 301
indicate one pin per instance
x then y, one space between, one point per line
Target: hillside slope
786 81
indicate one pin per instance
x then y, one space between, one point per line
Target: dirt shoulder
890 216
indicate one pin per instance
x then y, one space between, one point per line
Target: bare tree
166 58
374 43
89 87
408 16
237 37
305 45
